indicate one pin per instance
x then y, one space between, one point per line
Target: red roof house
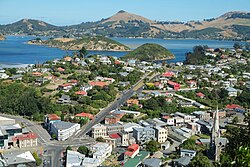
83 93
168 74
233 106
53 117
191 83
22 137
60 69
201 95
37 74
85 115
98 83
114 136
174 85
132 150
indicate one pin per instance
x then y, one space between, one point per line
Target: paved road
118 102
53 149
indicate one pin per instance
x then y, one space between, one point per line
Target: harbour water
14 51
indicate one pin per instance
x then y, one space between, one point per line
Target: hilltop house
231 92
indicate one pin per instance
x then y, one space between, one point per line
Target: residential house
128 69
86 88
105 60
16 77
188 153
194 127
85 116
64 99
67 58
112 119
123 74
181 162
132 150
202 115
50 118
186 117
173 85
3 76
161 134
132 102
101 151
123 84
231 92
191 83
65 87
144 134
185 104
114 128
60 69
200 95
81 93
98 83
178 121
168 74
159 85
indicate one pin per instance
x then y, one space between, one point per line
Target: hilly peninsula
90 43
149 52
2 37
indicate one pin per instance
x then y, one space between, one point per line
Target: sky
69 12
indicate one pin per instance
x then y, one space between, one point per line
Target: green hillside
149 52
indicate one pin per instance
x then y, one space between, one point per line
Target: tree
83 52
83 150
200 161
100 139
235 120
53 136
69 148
153 146
37 158
237 45
191 145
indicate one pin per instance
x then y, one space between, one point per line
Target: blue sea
14 51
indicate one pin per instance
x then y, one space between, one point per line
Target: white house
4 76
231 92
101 151
63 130
187 153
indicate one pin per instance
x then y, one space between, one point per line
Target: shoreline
76 50
23 35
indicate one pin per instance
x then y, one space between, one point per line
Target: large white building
99 130
63 130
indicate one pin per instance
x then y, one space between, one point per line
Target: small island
2 37
98 43
149 52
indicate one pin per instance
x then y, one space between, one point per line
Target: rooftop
133 162
152 162
52 117
17 157
83 114
74 158
24 137
63 125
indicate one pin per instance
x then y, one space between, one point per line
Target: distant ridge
232 25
